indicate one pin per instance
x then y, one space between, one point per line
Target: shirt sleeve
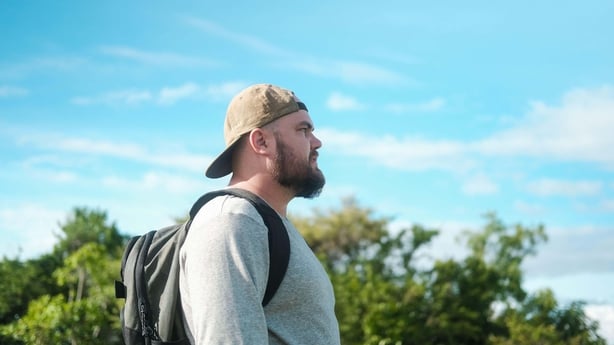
225 266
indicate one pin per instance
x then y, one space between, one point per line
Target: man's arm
225 267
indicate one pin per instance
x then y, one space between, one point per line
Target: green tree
87 226
340 238
388 291
22 282
369 268
386 296
540 320
79 306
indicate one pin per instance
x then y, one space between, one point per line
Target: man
271 151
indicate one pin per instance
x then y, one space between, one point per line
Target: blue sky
431 113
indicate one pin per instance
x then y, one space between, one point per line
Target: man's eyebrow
307 124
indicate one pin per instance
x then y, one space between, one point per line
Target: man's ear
259 140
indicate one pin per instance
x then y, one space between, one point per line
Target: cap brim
222 165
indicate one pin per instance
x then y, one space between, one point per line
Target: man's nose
315 142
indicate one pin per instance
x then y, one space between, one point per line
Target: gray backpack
150 275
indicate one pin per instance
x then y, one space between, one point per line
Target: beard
289 171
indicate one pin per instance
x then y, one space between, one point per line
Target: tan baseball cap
254 107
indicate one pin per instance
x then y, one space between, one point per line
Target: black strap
147 328
279 242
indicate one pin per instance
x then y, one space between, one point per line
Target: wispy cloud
123 97
529 208
363 73
26 223
479 185
7 91
352 72
432 105
57 176
170 95
167 95
410 153
224 91
555 187
339 102
156 181
594 242
157 58
604 314
394 57
252 42
35 65
608 205
120 150
579 130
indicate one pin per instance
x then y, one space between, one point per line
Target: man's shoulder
227 207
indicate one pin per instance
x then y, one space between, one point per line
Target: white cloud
12 91
432 105
89 146
54 168
28 228
592 245
554 187
348 71
156 58
167 95
604 314
224 91
363 73
480 185
411 154
170 95
448 244
583 287
339 102
48 159
58 176
246 40
40 64
395 57
122 150
156 181
123 97
532 209
608 205
577 131
568 285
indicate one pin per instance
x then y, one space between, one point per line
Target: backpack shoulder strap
279 242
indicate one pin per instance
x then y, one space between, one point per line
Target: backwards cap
251 108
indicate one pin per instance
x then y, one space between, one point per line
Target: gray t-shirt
223 277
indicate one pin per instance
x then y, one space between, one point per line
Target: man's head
267 108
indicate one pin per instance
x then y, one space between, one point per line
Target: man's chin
313 188
311 194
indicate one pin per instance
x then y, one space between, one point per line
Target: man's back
224 271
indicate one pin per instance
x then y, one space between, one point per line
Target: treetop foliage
384 296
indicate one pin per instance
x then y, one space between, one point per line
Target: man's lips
314 156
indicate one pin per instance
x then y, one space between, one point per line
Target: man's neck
276 196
